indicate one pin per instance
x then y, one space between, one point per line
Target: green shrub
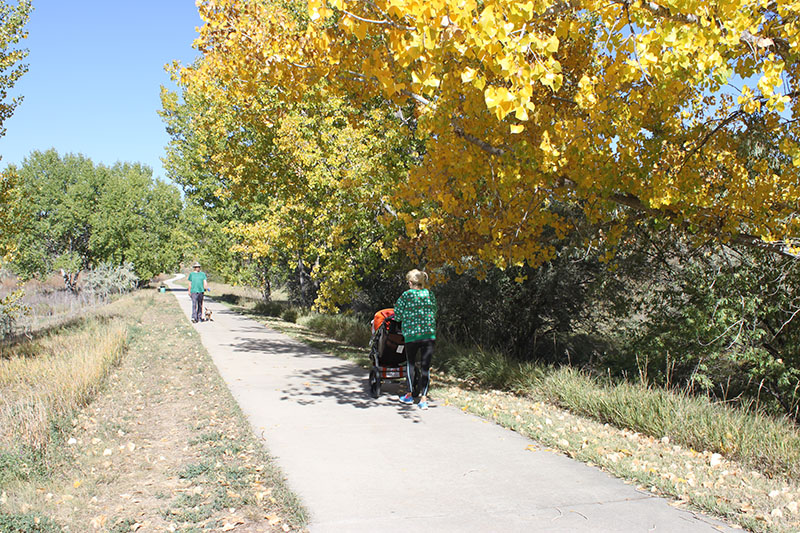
106 279
11 310
27 523
353 330
233 299
194 470
289 315
268 309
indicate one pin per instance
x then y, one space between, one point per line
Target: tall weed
485 368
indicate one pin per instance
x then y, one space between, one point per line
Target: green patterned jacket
416 312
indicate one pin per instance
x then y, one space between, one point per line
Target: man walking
198 284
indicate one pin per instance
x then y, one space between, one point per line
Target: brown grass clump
47 378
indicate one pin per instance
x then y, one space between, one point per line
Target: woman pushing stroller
416 312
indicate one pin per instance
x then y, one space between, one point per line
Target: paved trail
360 464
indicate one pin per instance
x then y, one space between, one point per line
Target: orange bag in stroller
380 316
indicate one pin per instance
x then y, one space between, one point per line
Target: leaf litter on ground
143 455
701 480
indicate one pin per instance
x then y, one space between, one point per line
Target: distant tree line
74 215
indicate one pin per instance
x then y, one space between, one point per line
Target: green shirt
416 312
196 279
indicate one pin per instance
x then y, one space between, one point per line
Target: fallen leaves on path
698 479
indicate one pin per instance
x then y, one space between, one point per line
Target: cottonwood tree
78 215
136 220
61 194
199 134
312 181
12 22
631 110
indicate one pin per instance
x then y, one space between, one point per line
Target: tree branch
420 99
480 143
386 22
781 45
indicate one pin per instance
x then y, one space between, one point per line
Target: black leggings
425 349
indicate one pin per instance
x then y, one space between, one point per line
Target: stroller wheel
374 383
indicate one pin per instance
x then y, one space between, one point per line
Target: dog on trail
207 313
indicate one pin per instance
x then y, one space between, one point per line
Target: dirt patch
164 447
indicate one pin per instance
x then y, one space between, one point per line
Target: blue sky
95 68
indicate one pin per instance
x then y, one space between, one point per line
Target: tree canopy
632 110
77 214
308 193
12 22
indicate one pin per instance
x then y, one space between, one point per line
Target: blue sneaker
407 399
423 405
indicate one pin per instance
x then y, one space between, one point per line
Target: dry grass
47 378
48 304
769 445
161 447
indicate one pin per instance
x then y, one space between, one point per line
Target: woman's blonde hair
417 278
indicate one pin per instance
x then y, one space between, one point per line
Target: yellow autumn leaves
522 105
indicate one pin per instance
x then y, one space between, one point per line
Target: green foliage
27 523
123 526
10 212
717 321
77 214
147 234
353 330
60 198
304 200
106 279
194 470
534 314
485 368
289 315
210 208
268 309
12 21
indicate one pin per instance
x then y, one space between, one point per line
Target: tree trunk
70 280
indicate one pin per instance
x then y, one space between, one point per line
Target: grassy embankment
738 465
120 422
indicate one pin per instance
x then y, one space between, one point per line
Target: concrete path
360 464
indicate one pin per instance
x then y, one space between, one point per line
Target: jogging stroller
386 351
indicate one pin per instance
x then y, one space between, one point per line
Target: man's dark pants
197 306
